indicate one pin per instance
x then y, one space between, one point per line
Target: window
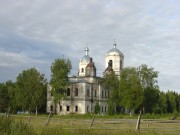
76 108
67 108
102 94
88 92
108 95
105 94
111 63
68 92
102 109
87 108
95 93
51 108
76 92
105 109
60 108
82 70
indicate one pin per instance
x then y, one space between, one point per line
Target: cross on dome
87 50
114 45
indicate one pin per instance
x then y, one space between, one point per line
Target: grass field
79 125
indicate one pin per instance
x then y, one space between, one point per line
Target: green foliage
162 102
4 98
151 97
8 126
111 82
30 89
171 102
150 87
97 108
148 76
11 87
60 69
131 92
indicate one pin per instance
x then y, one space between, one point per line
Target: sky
33 33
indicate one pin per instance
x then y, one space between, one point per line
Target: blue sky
34 33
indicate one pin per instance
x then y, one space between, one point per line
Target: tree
4 98
131 91
11 87
147 76
30 89
60 69
151 99
111 83
150 87
97 108
162 102
171 102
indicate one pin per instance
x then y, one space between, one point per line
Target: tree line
136 89
29 91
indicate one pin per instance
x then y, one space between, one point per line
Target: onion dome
86 58
114 51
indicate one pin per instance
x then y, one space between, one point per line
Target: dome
86 58
114 51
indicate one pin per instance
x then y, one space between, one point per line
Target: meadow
82 125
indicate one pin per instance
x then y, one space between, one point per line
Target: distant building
85 90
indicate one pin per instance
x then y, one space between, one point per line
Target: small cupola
90 68
83 63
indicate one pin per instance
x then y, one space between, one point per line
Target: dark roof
108 69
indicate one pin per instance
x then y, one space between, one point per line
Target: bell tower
114 60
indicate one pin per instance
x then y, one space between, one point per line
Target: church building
85 90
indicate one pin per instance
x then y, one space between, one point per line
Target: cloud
34 33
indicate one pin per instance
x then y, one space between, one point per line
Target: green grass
80 125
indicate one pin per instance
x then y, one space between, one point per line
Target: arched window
87 108
51 108
102 94
76 92
68 92
60 108
88 93
95 93
82 70
76 108
111 63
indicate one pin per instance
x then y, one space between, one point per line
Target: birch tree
60 69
